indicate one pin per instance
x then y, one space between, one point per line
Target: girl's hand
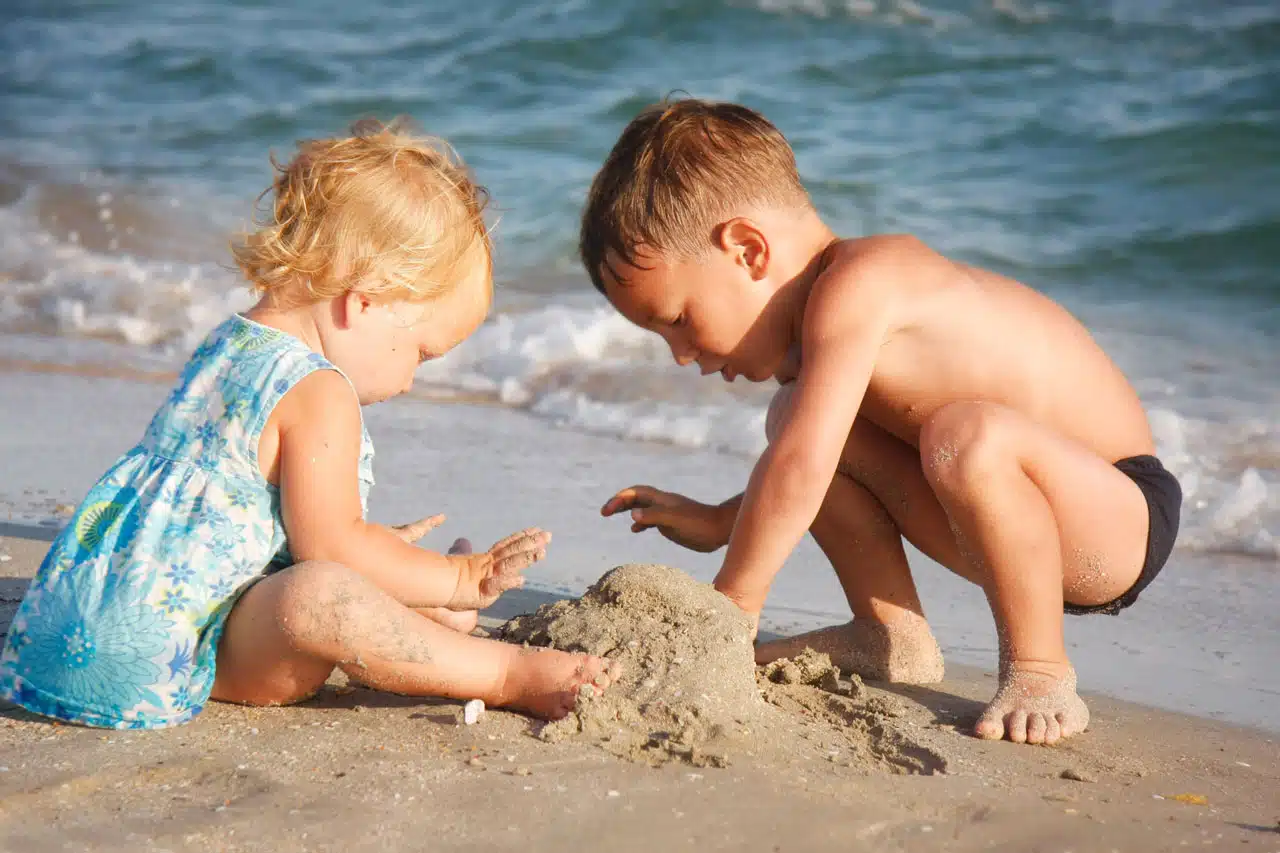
482 578
416 530
686 522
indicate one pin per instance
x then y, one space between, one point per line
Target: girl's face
381 344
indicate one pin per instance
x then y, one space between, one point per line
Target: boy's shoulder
865 272
877 252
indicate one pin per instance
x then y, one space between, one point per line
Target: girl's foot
546 682
462 621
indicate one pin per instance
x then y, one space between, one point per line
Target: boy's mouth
725 373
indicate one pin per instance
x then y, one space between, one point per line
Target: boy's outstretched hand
686 522
483 577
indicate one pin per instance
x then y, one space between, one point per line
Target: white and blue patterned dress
120 627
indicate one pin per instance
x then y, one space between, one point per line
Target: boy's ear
744 240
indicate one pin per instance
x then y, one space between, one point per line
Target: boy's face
710 310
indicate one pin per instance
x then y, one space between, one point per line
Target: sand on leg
878 495
288 632
1037 518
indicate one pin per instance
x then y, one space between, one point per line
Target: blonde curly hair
384 211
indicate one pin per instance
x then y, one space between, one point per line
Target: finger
627 498
518 562
640 528
498 584
414 531
529 542
503 543
423 525
461 545
651 516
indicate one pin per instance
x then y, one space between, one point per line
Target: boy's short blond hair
679 169
384 211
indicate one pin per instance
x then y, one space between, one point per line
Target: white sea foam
576 362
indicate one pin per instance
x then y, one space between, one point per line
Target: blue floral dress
120 627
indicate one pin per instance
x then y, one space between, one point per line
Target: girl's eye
678 321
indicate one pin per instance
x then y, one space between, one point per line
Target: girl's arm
318 424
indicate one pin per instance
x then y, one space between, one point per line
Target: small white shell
472 711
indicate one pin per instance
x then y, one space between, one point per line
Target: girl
227 555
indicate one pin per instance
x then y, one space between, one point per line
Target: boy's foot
546 682
904 652
1034 706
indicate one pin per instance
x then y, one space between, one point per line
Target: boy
920 397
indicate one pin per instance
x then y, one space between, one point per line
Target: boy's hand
686 522
482 578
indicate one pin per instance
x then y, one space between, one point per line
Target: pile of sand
690 689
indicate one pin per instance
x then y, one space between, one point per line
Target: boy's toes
1037 728
1015 726
990 725
1053 729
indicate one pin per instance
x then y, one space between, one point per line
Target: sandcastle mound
688 681
690 689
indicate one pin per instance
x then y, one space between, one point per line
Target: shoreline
1197 642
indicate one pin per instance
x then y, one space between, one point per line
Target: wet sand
355 770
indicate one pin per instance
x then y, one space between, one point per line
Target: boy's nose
683 357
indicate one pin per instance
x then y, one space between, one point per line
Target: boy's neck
802 255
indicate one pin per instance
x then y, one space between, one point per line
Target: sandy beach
1117 157
358 770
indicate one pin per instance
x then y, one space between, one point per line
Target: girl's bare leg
288 632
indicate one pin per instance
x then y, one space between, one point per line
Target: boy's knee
778 409
961 443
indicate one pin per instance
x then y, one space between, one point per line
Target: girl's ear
351 308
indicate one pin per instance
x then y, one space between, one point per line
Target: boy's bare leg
1038 517
462 621
888 638
878 494
288 632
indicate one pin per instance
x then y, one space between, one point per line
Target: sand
690 690
356 770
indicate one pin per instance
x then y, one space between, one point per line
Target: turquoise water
1115 146
1122 156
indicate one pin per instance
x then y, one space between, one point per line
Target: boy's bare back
960 333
